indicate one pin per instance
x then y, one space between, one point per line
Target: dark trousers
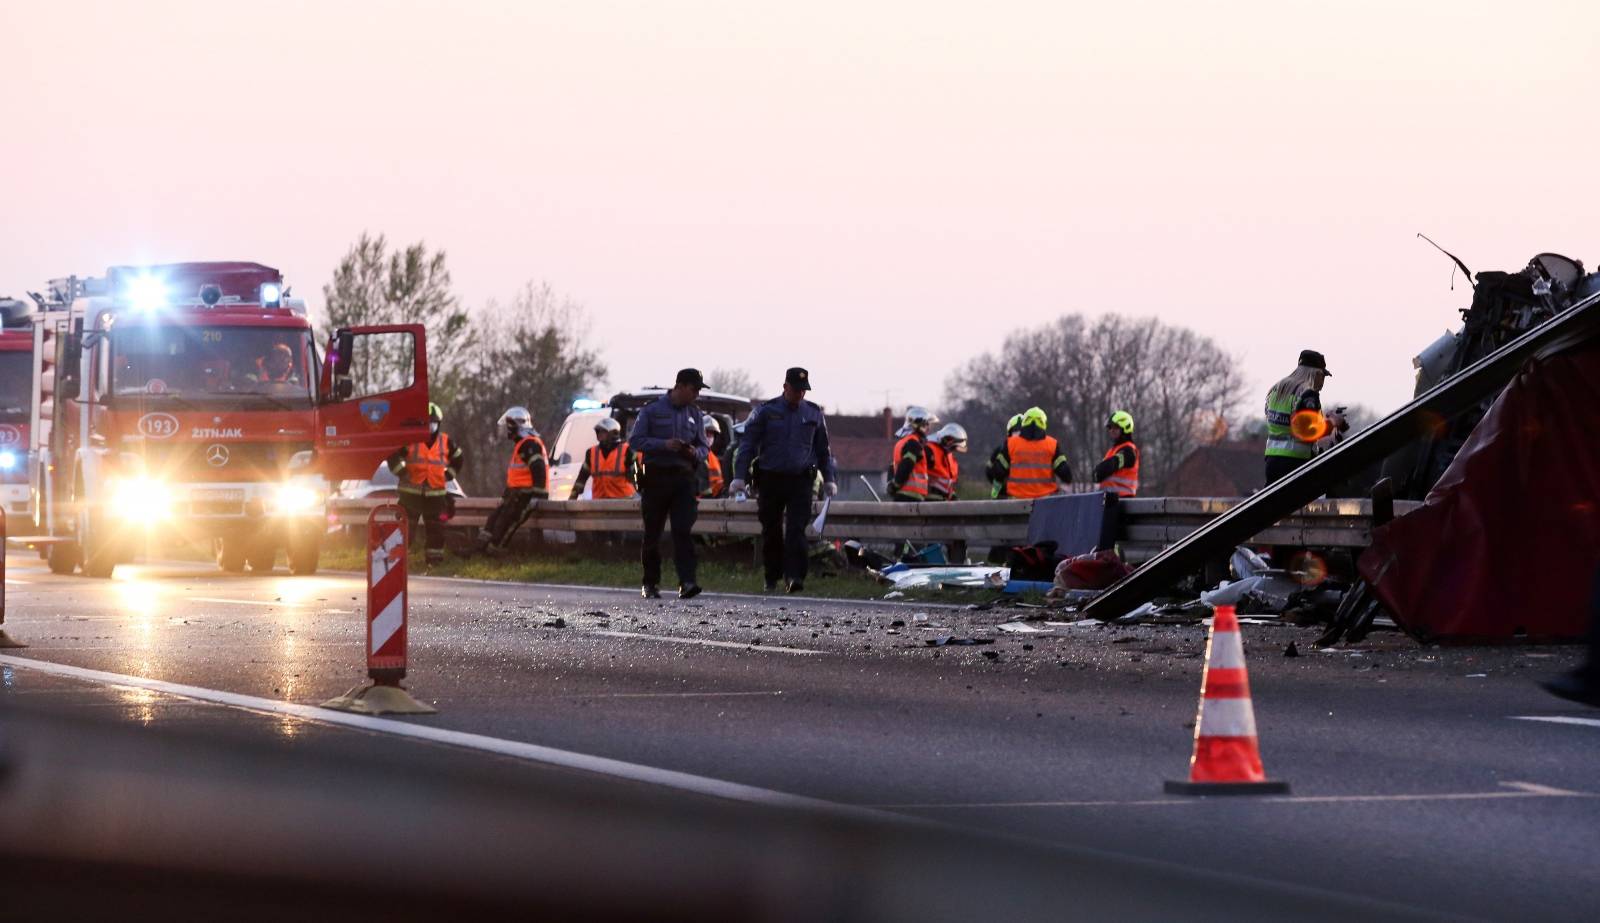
427 515
1590 670
1279 466
668 493
513 503
784 508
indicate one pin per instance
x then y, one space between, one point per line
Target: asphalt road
1417 781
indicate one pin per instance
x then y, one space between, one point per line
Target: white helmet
518 423
917 418
606 426
711 425
955 433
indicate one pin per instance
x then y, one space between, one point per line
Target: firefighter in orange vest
425 470
1118 473
711 479
527 479
1032 463
611 462
943 468
995 472
908 469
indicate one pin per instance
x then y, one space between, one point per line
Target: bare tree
1178 385
375 286
734 381
535 354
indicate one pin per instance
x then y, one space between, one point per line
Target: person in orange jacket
1032 464
908 468
944 470
612 464
527 479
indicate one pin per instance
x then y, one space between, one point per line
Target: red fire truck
189 402
16 362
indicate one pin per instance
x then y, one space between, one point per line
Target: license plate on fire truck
217 502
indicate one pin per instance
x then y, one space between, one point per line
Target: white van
577 430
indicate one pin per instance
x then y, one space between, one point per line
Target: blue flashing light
147 292
8 461
587 403
271 294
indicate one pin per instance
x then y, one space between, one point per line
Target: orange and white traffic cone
1227 759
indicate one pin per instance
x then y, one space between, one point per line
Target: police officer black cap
798 377
1313 359
690 377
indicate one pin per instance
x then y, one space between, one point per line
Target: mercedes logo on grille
217 456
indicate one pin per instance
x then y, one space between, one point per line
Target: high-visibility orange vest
1123 482
609 473
943 470
715 468
427 466
517 474
917 484
1033 473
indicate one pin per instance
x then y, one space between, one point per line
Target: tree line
533 348
1182 389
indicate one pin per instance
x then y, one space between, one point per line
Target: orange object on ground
1227 757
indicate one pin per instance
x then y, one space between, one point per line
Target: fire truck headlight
141 499
146 292
294 499
8 461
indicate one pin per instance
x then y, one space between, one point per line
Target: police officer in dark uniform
670 436
790 436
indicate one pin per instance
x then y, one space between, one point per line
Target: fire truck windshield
242 366
16 385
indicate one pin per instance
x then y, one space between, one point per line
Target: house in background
1226 469
862 445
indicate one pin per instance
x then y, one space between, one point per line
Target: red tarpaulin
1508 541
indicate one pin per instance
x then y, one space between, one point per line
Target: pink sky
877 191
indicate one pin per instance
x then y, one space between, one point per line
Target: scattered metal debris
952 641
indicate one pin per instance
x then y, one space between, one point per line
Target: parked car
577 430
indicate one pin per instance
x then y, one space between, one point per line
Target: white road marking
666 695
735 645
1521 790
1559 719
11 581
709 594
667 778
271 604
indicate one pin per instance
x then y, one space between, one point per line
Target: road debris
904 577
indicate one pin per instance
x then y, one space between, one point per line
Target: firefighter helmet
952 436
1035 416
607 425
518 423
1122 420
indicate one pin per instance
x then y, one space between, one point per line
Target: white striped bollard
388 531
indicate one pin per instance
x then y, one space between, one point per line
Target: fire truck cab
16 362
189 402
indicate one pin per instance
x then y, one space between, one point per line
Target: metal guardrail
1148 524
